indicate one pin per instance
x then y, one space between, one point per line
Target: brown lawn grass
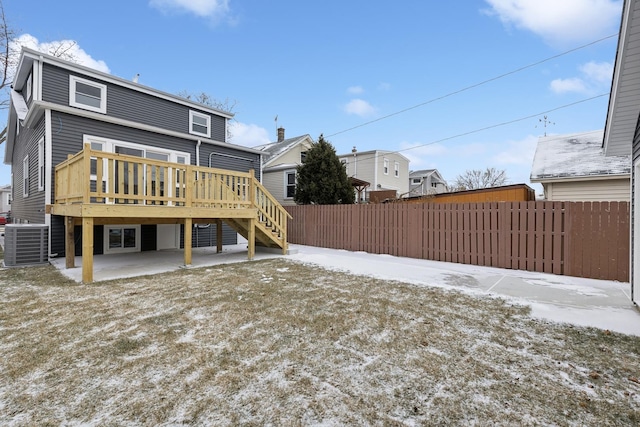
281 343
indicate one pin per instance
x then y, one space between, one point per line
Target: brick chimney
280 134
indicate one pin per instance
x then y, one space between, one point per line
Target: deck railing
93 176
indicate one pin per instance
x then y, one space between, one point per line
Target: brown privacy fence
584 239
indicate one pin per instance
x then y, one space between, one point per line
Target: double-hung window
345 163
41 164
290 184
25 176
87 95
199 124
396 169
29 87
386 167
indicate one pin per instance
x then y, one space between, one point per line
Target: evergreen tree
322 178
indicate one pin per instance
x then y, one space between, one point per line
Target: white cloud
248 135
560 21
65 49
600 72
574 84
359 107
594 76
519 152
202 8
355 90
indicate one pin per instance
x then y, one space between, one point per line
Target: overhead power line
520 119
517 70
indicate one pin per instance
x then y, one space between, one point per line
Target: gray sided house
58 107
575 168
383 170
426 182
280 160
622 128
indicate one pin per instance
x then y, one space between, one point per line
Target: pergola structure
359 185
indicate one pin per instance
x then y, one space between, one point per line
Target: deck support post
188 243
69 243
251 237
218 235
87 250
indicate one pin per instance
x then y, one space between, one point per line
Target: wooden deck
98 188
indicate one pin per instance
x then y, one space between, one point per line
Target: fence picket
574 238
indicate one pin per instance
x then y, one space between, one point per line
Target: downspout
375 171
198 153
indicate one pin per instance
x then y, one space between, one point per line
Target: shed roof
574 156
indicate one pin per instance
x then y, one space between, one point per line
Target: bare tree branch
475 178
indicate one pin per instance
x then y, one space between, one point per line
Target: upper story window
87 95
29 87
199 124
386 166
396 169
303 156
345 163
416 180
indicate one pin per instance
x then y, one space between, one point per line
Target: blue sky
345 68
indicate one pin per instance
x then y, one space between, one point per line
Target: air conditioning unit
26 244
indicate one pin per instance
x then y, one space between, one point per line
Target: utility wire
517 70
520 119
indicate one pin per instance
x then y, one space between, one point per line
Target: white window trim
41 164
396 169
72 92
29 87
108 145
108 250
286 183
385 166
207 117
25 177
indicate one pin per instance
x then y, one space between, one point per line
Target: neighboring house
383 170
279 162
575 167
622 132
60 110
5 198
426 182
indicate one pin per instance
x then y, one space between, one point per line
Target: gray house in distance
426 182
144 150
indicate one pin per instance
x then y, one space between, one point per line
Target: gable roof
273 150
374 152
28 56
624 99
576 156
36 109
423 173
